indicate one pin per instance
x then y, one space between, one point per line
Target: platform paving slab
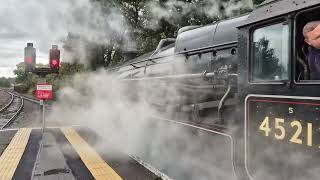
51 163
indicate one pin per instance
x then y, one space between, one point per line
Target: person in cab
311 33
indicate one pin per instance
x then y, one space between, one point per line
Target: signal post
44 90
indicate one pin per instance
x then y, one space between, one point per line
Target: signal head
30 57
54 59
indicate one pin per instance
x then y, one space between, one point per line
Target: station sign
44 91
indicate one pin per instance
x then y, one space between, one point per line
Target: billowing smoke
119 113
98 22
115 110
49 22
173 11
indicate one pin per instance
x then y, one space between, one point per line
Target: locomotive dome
192 38
220 33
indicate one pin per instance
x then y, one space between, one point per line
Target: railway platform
63 153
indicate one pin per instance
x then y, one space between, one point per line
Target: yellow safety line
96 165
11 156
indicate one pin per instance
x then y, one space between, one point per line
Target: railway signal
54 59
30 57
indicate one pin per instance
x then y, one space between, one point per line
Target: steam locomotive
247 79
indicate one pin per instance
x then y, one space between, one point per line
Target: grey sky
46 22
21 22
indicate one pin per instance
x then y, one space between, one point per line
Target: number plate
283 137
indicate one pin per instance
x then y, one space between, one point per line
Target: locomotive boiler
247 78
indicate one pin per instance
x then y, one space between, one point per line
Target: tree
4 82
143 28
257 2
27 81
266 64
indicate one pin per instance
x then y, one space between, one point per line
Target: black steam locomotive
247 79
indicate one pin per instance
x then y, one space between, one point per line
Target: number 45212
279 131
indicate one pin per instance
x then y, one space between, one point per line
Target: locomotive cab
278 100
306 70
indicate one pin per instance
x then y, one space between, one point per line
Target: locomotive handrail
205 75
188 52
179 76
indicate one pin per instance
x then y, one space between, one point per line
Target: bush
4 82
21 88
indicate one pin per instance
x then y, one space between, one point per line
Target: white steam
119 113
174 10
47 22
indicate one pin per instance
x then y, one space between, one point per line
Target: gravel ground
29 116
4 98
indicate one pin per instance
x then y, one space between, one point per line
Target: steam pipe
221 103
223 99
179 76
161 44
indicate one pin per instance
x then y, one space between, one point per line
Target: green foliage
28 80
142 33
257 2
69 69
267 63
4 82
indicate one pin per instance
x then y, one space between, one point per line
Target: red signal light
54 58
55 62
29 60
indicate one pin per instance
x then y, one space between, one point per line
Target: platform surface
62 153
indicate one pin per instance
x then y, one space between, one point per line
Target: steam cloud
119 113
99 101
49 22
211 8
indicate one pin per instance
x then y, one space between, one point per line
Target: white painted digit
295 137
309 136
265 126
279 125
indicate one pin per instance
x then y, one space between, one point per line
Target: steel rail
10 102
150 168
15 114
26 98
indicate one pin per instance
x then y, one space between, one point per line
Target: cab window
270 53
307 49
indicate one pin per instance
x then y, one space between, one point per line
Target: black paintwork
275 8
220 39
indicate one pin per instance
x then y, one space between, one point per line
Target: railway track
25 97
9 112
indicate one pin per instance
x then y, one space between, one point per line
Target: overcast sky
47 22
22 22
12 51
